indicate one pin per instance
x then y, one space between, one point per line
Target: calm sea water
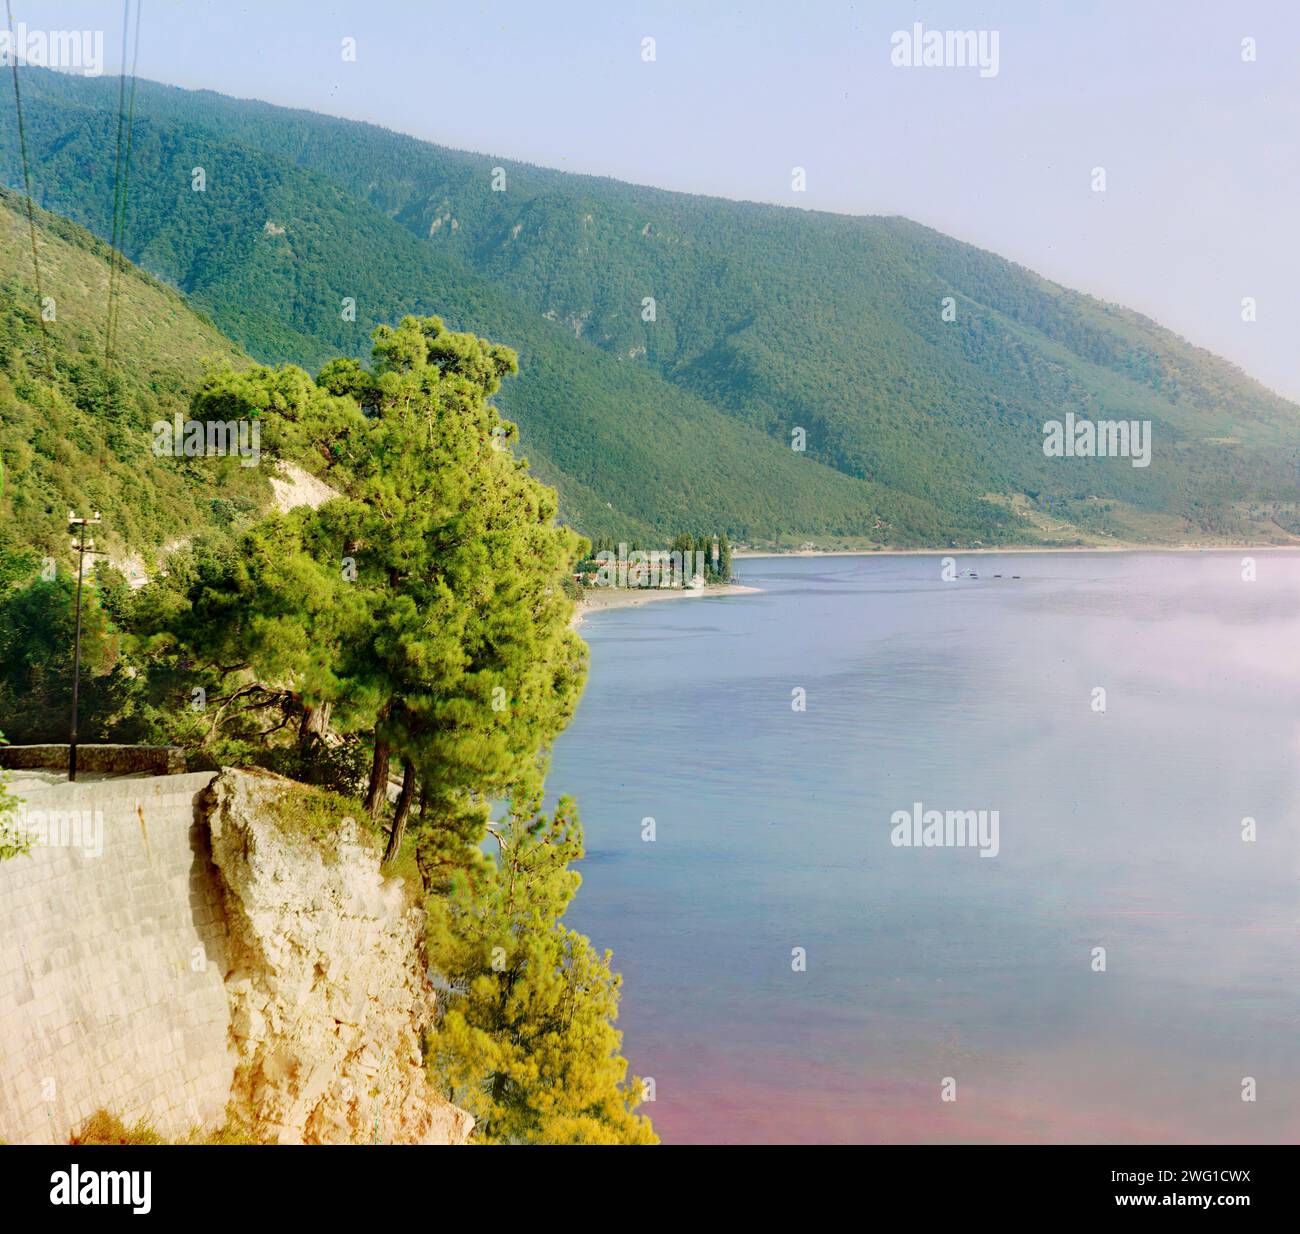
1119 829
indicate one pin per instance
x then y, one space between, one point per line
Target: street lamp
81 547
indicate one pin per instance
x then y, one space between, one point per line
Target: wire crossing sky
1191 108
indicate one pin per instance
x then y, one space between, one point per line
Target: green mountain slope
85 442
767 319
272 251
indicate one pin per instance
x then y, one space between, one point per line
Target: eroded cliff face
327 990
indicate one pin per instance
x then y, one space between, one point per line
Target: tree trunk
315 723
400 814
377 791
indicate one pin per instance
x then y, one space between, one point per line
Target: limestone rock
327 987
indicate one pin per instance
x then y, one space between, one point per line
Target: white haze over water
1119 830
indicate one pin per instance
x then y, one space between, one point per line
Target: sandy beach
597 598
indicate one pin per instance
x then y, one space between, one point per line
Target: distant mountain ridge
671 345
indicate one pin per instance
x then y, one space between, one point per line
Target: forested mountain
83 441
766 319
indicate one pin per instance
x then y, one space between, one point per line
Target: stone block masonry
170 951
111 965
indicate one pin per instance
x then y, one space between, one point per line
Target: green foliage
339 765
12 842
525 1039
84 442
424 606
724 558
16 561
422 610
105 1128
919 430
705 555
312 815
37 629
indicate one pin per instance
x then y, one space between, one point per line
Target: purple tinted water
1119 830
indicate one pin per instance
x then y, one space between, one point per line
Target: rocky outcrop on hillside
327 990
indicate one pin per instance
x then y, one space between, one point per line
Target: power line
119 256
117 183
27 189
81 548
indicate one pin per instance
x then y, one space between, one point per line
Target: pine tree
526 1041
424 605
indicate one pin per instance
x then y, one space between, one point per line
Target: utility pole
81 548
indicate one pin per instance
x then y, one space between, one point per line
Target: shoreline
601 598
598 599
739 554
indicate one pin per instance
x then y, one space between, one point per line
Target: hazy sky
1201 149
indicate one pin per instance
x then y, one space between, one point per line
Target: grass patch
404 866
105 1128
314 816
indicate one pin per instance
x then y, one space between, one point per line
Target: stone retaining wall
112 956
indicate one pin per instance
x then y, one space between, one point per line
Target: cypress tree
724 558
